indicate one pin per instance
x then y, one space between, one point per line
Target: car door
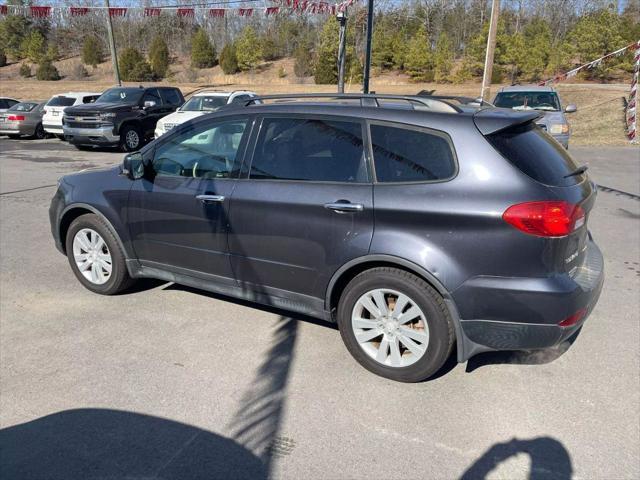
304 205
152 113
178 212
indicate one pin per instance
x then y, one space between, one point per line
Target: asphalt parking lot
169 382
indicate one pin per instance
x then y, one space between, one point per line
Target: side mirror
149 104
571 108
133 166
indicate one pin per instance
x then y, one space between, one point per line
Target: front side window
121 95
152 96
309 149
89 99
403 154
201 151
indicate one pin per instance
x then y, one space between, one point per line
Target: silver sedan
24 118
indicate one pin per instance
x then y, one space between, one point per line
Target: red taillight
16 118
545 219
573 319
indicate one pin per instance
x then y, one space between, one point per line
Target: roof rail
366 100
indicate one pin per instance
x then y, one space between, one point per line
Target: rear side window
170 96
309 149
536 154
61 101
409 155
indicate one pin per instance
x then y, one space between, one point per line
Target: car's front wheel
130 138
95 256
395 324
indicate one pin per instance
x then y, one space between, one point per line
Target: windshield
23 107
61 101
202 103
547 101
121 95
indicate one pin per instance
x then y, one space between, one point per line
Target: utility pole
342 18
491 47
367 58
112 45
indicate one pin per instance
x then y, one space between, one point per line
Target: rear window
537 154
409 155
23 107
61 101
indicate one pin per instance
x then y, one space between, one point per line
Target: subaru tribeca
415 228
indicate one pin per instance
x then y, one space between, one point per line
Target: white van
52 119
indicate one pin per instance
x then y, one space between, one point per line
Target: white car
200 103
6 103
52 119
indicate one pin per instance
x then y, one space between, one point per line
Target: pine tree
3 58
13 30
536 46
443 59
134 67
248 49
159 57
92 51
419 61
203 52
303 65
229 59
34 46
47 71
326 66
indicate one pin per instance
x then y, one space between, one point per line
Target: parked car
200 103
542 99
122 116
23 118
6 103
56 106
476 242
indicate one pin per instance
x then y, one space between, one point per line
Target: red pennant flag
186 12
3 10
40 11
151 12
272 10
78 11
117 12
216 12
245 12
296 4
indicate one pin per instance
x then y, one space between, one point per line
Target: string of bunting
283 6
593 64
632 104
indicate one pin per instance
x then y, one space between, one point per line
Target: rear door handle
210 198
344 207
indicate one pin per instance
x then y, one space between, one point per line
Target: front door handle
210 198
344 207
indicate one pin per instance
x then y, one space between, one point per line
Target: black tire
82 147
119 279
39 133
14 137
438 319
60 136
125 138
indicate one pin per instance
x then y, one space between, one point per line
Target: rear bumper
17 129
498 313
102 136
53 128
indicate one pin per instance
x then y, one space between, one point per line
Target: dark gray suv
415 225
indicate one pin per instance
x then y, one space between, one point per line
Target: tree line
427 40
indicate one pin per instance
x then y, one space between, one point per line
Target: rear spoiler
492 120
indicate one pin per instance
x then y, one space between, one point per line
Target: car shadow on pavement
105 443
549 459
522 357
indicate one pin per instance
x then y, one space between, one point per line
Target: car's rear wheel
39 132
395 324
130 138
95 256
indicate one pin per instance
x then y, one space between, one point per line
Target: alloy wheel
132 139
92 256
390 327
